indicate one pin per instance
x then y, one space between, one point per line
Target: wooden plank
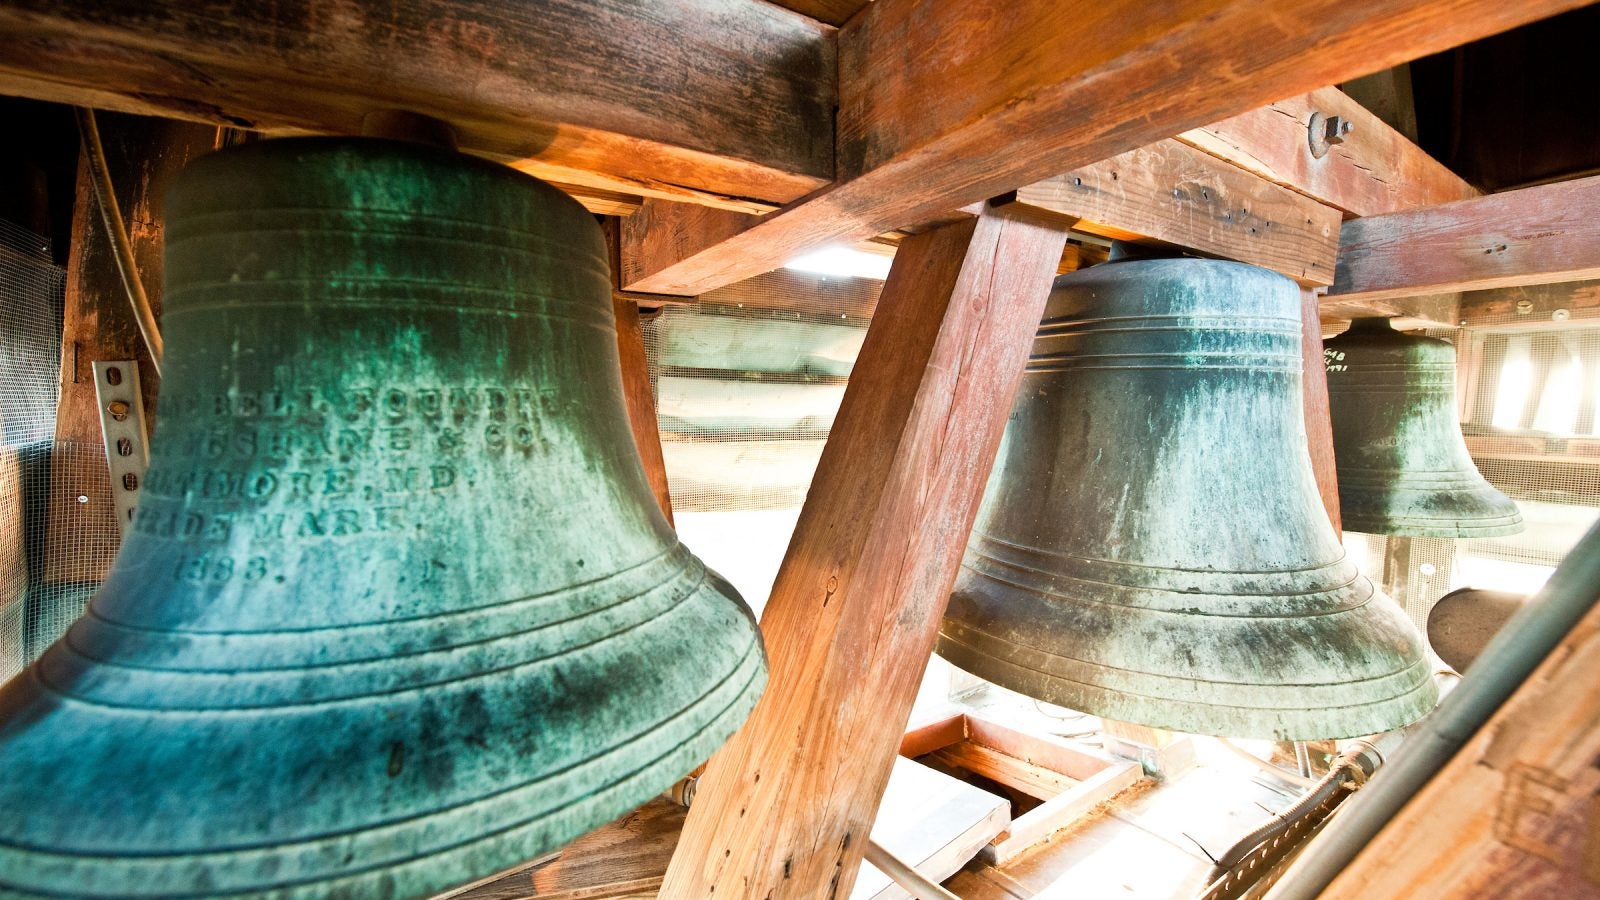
637 390
1426 311
1060 811
731 98
1173 194
1319 423
1033 780
785 806
1534 305
949 102
833 12
846 298
1514 814
1536 235
932 822
1376 170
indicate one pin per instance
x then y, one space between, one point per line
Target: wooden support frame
1174 194
1535 235
1314 400
1376 169
1044 92
692 99
785 807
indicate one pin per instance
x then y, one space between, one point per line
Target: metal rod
1270 769
117 231
1504 665
915 883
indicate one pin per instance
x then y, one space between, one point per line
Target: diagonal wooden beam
785 808
946 102
674 97
1375 170
1536 235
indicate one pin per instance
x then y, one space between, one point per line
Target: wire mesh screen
30 347
745 399
1527 396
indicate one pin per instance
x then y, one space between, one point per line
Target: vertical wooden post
1319 426
785 808
636 375
98 324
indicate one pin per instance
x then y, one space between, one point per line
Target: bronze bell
1403 467
1151 547
398 610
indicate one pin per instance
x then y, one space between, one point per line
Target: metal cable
117 231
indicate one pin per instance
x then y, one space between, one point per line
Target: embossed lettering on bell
399 610
1152 547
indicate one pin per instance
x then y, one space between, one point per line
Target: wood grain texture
1174 194
1376 170
1314 398
1514 814
949 102
98 324
785 807
1504 307
731 98
803 292
1536 235
637 388
832 12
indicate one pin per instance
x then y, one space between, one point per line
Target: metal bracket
116 391
1324 131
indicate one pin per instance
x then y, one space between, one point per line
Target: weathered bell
399 610
1403 467
1152 547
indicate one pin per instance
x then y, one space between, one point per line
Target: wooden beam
1426 311
144 155
1536 235
637 390
943 103
785 807
1314 394
1375 170
1514 814
730 98
833 12
1531 306
1174 194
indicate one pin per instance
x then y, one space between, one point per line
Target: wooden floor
1146 844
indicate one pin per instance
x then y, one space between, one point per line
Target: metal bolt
1560 315
1322 132
118 409
1524 307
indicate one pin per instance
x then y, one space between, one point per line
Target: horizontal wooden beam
944 103
1374 170
1174 194
1536 235
685 98
1531 306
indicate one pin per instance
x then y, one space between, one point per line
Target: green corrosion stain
398 610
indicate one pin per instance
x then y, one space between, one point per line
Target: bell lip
393 856
1287 723
1496 526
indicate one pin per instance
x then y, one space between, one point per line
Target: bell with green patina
398 610
1151 547
1403 466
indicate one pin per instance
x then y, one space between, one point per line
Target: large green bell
1403 467
1151 547
399 610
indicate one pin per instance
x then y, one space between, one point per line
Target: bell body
1151 547
1403 467
399 610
